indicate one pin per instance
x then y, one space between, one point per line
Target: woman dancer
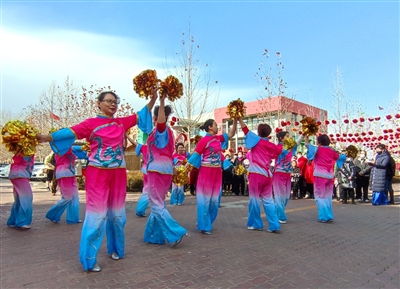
105 175
160 147
66 179
260 177
281 181
20 173
178 192
207 157
324 159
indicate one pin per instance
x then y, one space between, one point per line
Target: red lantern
288 123
350 134
172 123
388 117
370 133
371 119
326 122
355 121
362 119
173 119
363 134
345 134
377 118
346 121
300 132
331 135
390 130
397 115
385 131
283 123
319 123
333 121
296 123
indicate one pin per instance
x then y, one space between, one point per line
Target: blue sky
108 43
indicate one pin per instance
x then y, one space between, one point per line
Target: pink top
106 138
21 167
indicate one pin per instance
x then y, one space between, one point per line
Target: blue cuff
226 165
175 161
311 151
161 138
145 122
224 145
251 139
195 160
137 150
340 161
79 153
63 140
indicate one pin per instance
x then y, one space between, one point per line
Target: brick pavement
360 249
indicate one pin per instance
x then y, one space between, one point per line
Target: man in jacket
362 179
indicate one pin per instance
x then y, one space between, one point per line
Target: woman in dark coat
378 176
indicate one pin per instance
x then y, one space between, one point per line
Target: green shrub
135 181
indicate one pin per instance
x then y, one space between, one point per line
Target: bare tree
199 94
273 89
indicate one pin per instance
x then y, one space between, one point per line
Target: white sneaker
360 200
367 201
253 229
282 222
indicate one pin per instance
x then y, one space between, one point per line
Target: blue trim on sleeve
195 160
145 122
251 139
226 165
340 161
63 139
162 138
311 151
79 153
224 145
175 161
137 150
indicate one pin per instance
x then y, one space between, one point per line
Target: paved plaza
360 249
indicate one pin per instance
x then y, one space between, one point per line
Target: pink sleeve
201 145
83 129
128 121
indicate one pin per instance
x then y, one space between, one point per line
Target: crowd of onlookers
352 182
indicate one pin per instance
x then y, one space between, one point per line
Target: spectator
362 180
295 179
390 173
378 175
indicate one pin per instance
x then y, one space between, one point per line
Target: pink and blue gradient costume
260 180
160 226
143 201
105 179
65 175
20 173
324 159
178 192
207 157
281 181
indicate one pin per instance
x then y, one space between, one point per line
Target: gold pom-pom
309 126
236 108
182 177
240 170
86 147
19 136
288 143
173 87
195 140
145 82
352 151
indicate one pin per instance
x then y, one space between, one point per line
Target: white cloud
30 62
